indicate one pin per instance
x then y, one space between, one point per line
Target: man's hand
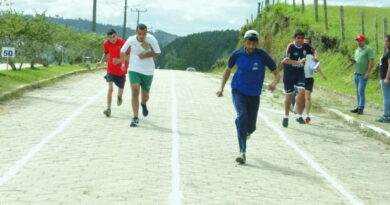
272 87
219 93
142 56
302 61
386 81
116 61
367 75
98 64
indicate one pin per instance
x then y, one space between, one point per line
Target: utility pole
138 11
124 21
94 17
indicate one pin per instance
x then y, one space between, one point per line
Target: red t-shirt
114 51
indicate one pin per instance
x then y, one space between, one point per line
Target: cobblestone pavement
57 147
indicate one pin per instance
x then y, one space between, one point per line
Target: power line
94 16
124 21
138 12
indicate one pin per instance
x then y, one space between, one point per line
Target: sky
180 17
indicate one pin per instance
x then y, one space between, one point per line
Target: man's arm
124 48
104 58
225 78
287 59
387 78
148 55
370 65
272 86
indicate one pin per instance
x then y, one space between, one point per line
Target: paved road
56 147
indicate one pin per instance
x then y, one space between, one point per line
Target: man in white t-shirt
144 47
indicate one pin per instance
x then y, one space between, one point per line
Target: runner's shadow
150 125
286 171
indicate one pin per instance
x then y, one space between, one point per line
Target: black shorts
309 83
118 80
293 78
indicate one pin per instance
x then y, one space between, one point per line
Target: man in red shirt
115 73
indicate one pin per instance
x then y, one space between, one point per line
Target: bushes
36 40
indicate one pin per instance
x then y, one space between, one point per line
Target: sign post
8 52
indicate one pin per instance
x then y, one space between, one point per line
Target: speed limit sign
8 52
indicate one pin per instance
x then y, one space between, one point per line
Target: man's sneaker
119 101
241 158
300 120
307 120
384 119
145 110
134 122
359 112
285 122
355 110
107 112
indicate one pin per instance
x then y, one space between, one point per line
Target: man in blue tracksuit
246 85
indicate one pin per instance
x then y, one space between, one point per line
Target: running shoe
134 122
241 158
285 122
107 112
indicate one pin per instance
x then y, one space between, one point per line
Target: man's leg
107 112
362 91
287 103
239 103
307 102
356 80
253 109
120 83
135 82
135 90
109 94
145 85
301 100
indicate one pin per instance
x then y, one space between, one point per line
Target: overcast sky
179 17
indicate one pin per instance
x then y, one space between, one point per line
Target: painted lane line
22 161
175 196
312 163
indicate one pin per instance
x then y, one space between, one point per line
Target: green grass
10 80
277 25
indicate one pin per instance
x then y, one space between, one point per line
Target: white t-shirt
144 66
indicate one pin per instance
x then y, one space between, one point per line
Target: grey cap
252 34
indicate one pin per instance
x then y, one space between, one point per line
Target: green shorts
144 80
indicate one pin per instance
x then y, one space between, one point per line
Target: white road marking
175 196
22 161
312 163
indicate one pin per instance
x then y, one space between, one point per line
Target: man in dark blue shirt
294 74
246 85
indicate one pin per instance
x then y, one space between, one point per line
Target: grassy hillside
277 24
199 50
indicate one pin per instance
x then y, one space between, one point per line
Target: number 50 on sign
8 52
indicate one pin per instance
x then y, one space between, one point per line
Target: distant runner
115 72
294 75
309 80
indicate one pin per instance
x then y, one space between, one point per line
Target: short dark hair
299 33
110 32
252 39
387 37
142 27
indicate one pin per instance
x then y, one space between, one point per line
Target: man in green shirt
363 63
